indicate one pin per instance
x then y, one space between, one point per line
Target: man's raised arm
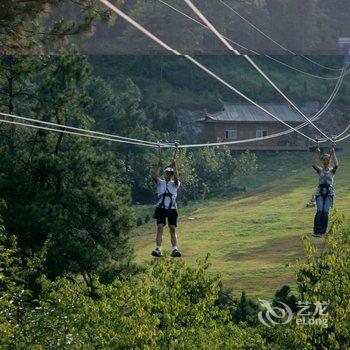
176 173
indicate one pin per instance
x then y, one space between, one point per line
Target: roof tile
250 113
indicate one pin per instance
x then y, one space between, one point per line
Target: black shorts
162 214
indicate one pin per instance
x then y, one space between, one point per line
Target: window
261 132
231 134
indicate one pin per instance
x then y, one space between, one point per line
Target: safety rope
343 138
247 49
257 68
121 139
283 133
342 133
195 62
336 137
117 137
176 145
159 144
76 133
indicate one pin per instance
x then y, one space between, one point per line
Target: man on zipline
325 191
166 206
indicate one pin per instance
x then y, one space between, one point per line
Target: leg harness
325 189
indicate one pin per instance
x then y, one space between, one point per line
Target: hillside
252 239
173 83
316 26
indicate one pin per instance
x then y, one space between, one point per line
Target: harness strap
167 193
325 186
164 195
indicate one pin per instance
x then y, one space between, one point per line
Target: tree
246 311
17 276
24 30
64 186
16 85
104 107
170 122
324 277
220 172
207 166
164 122
169 306
153 114
284 295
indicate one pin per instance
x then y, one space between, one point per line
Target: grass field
252 239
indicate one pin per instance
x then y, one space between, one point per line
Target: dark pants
324 204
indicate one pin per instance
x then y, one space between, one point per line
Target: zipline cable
79 129
159 144
274 41
339 78
344 138
115 138
177 146
342 133
283 133
147 145
247 49
299 70
195 62
257 68
76 133
336 137
216 144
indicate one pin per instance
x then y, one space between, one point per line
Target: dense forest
119 52
68 279
307 27
173 84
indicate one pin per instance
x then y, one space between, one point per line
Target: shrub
169 306
324 276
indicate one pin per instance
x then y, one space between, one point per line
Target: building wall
215 131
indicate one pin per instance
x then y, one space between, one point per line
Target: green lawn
251 240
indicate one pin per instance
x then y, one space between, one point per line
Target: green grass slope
252 239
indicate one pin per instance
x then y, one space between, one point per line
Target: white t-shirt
162 187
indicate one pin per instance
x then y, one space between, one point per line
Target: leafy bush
139 222
169 306
324 276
